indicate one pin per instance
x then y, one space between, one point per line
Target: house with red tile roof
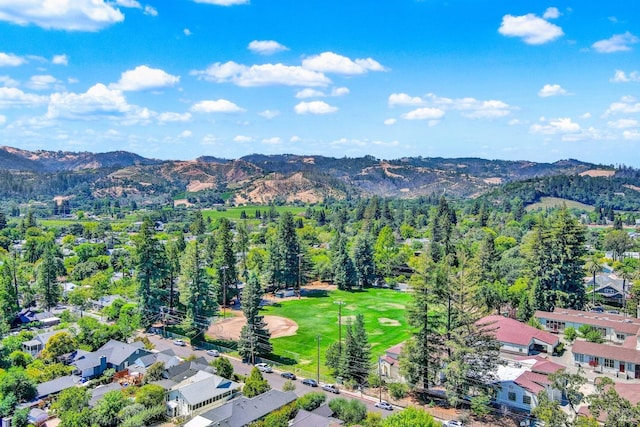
517 337
390 363
620 360
614 327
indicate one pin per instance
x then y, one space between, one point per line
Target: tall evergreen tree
198 226
195 288
363 261
386 252
254 336
150 266
224 261
344 274
357 351
283 253
47 274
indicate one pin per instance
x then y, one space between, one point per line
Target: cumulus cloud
187 32
390 122
150 10
7 81
402 99
13 97
340 91
623 123
223 2
76 15
555 127
471 107
314 107
551 13
217 106
169 117
262 75
530 28
266 47
185 134
272 141
617 43
621 77
269 114
626 105
425 113
11 60
209 139
329 62
41 82
143 78
98 102
60 60
128 3
242 139
314 93
295 138
552 90
632 135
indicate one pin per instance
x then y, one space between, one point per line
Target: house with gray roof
199 392
35 345
243 411
101 390
53 387
316 418
114 354
168 357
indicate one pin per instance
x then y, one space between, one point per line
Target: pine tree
254 336
197 226
195 288
46 280
283 253
386 252
224 261
150 265
363 261
344 274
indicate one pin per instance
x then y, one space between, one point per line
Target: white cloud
472 108
209 139
586 115
262 75
187 32
329 62
10 60
169 117
626 105
551 13
150 10
76 15
3 119
269 114
315 107
41 82
272 141
404 99
185 134
295 138
128 3
309 93
217 106
340 91
425 113
223 2
143 77
555 127
8 81
390 122
622 77
266 47
531 28
552 90
98 102
242 139
617 43
623 123
13 97
60 60
632 135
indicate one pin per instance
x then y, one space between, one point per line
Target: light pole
380 379
340 304
318 366
224 291
299 267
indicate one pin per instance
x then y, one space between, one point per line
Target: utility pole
380 379
299 267
224 291
318 366
340 304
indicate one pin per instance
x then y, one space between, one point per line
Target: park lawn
384 316
234 212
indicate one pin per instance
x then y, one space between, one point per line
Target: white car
214 353
383 404
453 423
263 367
179 343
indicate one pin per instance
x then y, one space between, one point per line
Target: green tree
197 226
254 336
283 253
150 266
105 413
71 400
363 262
410 417
570 333
224 261
350 411
47 277
59 344
344 273
255 384
288 386
593 266
223 367
386 252
311 401
154 372
398 390
16 382
549 411
620 412
356 356
195 289
150 395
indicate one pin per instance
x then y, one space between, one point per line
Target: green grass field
555 202
234 212
384 314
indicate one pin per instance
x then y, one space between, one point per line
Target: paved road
275 380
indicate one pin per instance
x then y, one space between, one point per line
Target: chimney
103 364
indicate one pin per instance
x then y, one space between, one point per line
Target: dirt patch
229 329
493 180
598 172
388 322
392 305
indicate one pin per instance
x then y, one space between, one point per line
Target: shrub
311 401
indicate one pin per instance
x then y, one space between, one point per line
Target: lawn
234 212
556 202
384 315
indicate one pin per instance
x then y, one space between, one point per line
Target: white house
517 337
198 393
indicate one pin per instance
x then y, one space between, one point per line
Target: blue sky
176 79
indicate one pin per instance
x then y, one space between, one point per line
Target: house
621 360
319 417
168 357
518 384
105 301
114 354
615 328
28 315
609 287
517 337
199 392
243 411
35 345
389 363
53 387
98 392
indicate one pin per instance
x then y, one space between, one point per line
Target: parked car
310 382
288 375
214 353
263 367
453 423
179 343
330 387
383 404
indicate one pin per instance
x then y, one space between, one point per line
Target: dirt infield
229 329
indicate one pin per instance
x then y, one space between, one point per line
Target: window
512 396
620 337
526 400
608 363
578 357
